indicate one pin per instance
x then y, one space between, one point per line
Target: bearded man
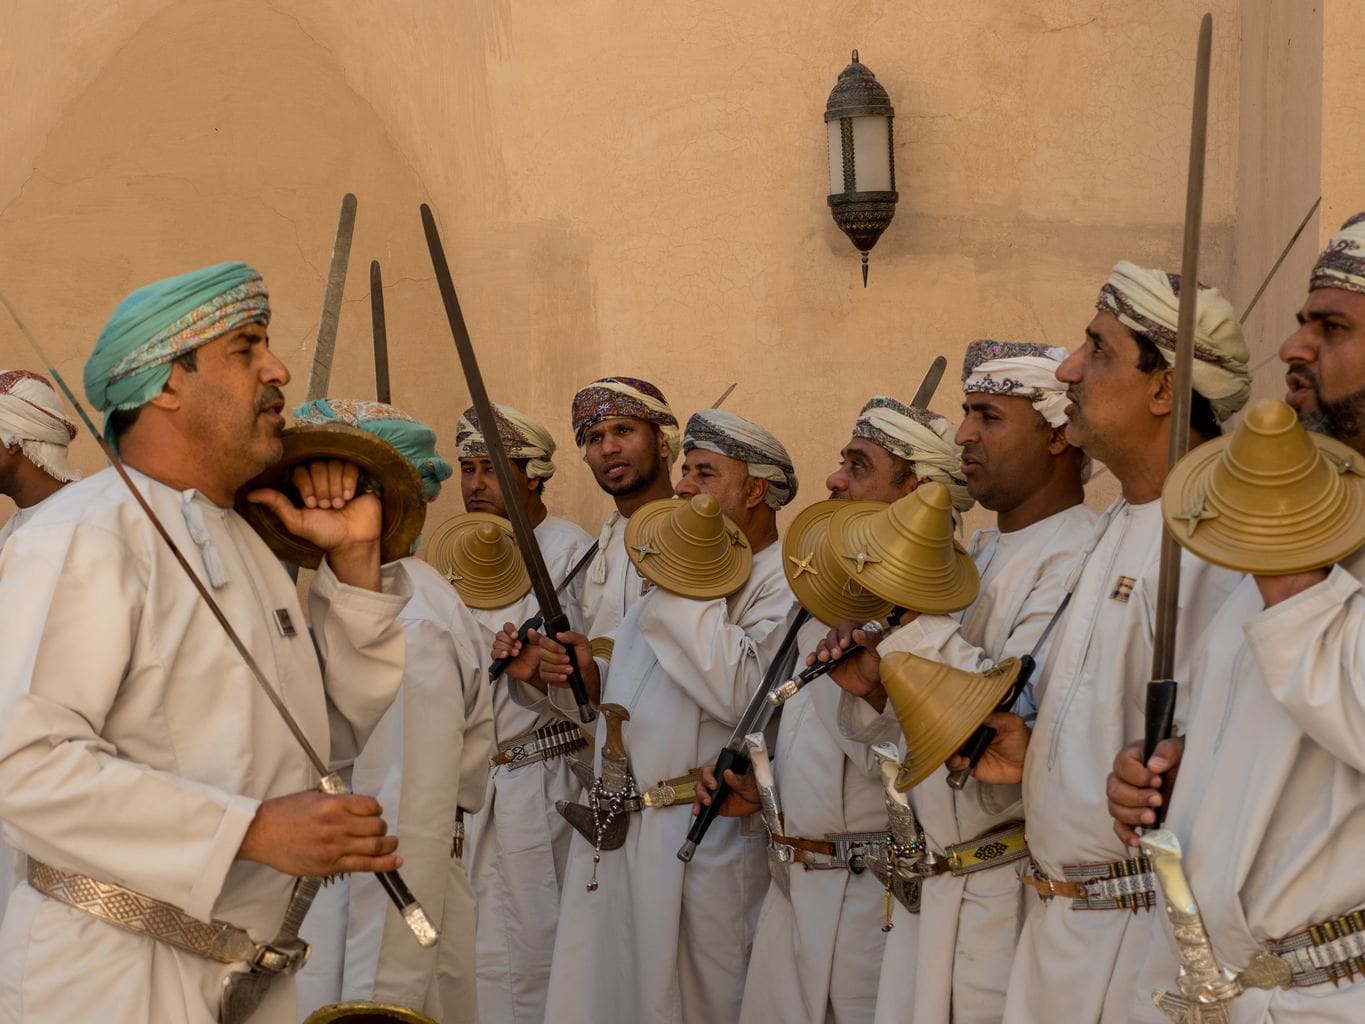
804 968
1269 802
951 961
1086 892
517 844
657 939
141 765
628 436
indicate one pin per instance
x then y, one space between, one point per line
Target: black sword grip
553 627
1161 694
729 760
397 889
499 665
981 739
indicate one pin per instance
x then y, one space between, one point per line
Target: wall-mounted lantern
862 161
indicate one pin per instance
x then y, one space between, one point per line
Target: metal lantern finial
862 162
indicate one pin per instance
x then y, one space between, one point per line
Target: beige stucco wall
639 188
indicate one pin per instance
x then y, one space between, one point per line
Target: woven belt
681 789
846 851
1332 950
131 911
1117 885
543 744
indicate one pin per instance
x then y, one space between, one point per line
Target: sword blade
724 395
320 374
381 334
1168 589
929 385
551 610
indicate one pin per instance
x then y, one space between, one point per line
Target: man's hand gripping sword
413 914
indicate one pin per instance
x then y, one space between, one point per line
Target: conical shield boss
476 553
689 547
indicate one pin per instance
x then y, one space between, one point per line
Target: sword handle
731 760
980 741
499 665
1161 694
781 694
553 627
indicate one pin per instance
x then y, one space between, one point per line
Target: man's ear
1057 442
1161 392
171 396
755 492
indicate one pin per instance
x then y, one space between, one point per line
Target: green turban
162 321
414 440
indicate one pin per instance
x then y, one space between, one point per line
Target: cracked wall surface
639 188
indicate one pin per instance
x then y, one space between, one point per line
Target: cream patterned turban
1342 263
522 438
31 416
715 430
625 396
1020 369
1148 302
922 438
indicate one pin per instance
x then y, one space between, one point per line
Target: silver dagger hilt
786 691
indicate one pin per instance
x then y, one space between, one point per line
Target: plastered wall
639 188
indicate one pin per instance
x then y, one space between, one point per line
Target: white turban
1342 263
31 416
1019 369
522 438
922 438
724 433
1148 302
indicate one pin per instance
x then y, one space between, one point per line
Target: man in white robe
817 951
1091 693
136 747
951 962
628 436
427 757
1270 796
34 435
659 940
517 845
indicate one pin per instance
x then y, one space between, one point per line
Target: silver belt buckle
285 959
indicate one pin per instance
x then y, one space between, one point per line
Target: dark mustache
271 396
1304 372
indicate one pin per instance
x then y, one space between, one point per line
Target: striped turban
522 438
1020 369
31 416
162 321
922 438
413 439
1342 263
1147 302
629 397
715 430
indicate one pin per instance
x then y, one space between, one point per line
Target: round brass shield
398 483
689 547
904 552
938 707
1270 498
820 582
476 553
366 1013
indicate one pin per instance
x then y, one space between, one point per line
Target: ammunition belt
543 744
846 851
1117 885
1331 950
131 911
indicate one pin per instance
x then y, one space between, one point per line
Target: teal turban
414 440
156 324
